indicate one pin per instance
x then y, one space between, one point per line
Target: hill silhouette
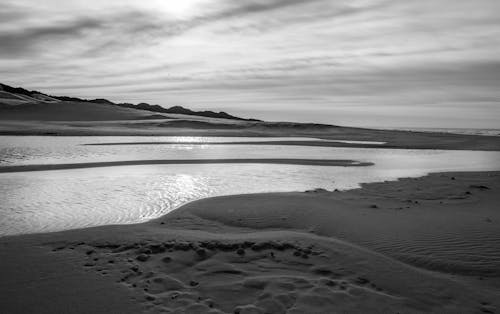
15 99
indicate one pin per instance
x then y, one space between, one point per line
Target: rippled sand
424 245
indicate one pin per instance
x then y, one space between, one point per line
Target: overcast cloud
371 63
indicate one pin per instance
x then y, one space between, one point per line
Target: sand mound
438 224
256 275
70 111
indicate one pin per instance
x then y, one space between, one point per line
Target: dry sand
426 245
71 111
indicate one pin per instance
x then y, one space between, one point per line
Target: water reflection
66 199
19 150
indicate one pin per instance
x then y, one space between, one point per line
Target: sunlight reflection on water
15 150
66 199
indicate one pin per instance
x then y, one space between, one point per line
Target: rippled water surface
64 199
25 150
15 150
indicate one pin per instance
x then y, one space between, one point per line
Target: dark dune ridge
32 104
417 245
313 162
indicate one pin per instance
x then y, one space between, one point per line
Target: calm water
19 150
65 199
466 131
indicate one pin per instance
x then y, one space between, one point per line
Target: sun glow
179 8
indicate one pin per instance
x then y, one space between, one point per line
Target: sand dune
17 103
40 114
71 111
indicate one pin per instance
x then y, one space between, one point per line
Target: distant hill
17 96
72 111
18 90
183 111
17 102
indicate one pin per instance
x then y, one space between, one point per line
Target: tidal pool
43 201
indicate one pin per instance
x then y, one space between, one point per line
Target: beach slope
426 245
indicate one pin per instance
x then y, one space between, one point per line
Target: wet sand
319 143
424 245
224 127
285 161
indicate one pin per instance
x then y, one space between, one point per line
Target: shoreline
286 161
318 143
354 251
393 138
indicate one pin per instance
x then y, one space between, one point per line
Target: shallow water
23 150
18 150
66 199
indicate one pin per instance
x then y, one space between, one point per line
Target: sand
283 161
426 245
71 111
191 127
69 118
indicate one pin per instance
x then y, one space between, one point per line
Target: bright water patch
67 199
358 142
23 150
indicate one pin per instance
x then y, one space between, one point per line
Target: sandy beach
249 157
419 245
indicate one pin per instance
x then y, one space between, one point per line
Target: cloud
314 56
26 40
10 13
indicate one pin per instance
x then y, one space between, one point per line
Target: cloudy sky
427 63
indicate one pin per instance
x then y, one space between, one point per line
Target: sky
377 63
